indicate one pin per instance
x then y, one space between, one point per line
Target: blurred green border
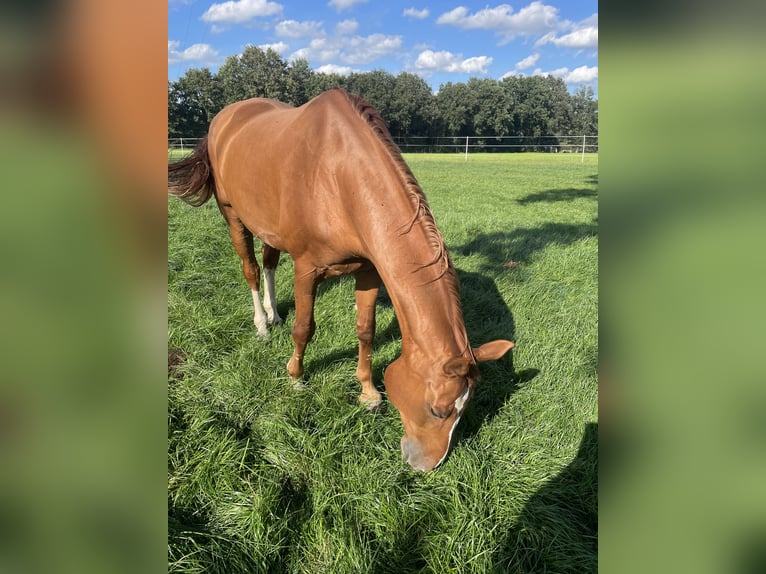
682 205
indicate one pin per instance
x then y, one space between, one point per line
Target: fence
466 144
182 143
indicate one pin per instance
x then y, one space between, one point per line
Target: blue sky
441 41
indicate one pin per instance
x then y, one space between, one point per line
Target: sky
441 41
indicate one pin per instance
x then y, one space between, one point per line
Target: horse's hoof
370 404
298 385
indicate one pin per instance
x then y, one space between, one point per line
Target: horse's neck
431 320
409 253
425 298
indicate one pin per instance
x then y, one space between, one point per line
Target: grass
266 478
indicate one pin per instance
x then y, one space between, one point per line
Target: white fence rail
466 144
182 143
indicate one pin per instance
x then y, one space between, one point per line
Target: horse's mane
422 212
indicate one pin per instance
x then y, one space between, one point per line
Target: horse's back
274 164
236 118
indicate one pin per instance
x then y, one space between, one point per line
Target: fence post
583 149
466 148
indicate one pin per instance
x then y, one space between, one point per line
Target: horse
325 183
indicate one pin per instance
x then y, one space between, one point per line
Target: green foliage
193 101
253 74
263 477
456 105
533 106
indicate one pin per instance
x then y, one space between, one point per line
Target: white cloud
591 20
415 13
535 19
279 47
349 50
430 61
581 38
581 75
319 50
346 27
340 5
201 53
333 69
527 62
240 11
295 29
558 72
363 50
512 74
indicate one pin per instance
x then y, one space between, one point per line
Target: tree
254 74
584 112
297 82
532 102
193 101
412 106
558 104
377 87
456 107
536 107
321 82
491 112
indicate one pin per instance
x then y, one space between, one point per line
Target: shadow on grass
558 529
559 195
487 317
194 540
523 243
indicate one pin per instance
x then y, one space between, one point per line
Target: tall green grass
263 477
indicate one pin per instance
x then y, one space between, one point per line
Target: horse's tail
191 178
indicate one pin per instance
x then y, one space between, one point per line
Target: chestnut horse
325 183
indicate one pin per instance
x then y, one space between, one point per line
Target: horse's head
431 399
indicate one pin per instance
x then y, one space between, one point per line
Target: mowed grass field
266 478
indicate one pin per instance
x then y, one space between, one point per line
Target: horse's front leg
305 286
367 286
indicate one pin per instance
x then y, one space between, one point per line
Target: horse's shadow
558 527
521 245
488 317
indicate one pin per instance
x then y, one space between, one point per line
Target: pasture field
263 477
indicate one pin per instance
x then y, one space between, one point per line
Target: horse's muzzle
412 454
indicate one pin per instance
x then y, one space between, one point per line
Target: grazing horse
326 183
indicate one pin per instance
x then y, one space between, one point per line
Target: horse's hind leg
270 261
367 286
242 239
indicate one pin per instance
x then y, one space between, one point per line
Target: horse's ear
493 350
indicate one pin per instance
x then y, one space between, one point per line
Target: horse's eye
439 414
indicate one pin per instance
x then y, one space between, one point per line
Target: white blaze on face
461 401
459 407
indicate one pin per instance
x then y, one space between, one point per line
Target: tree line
535 107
